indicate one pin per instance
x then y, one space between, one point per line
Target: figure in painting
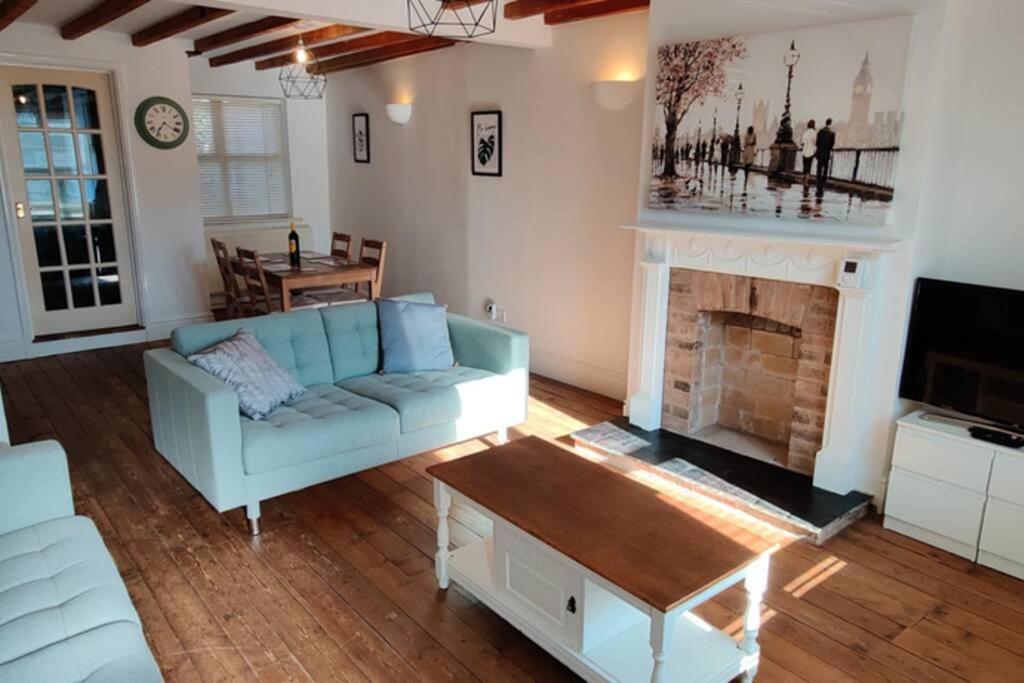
824 143
808 145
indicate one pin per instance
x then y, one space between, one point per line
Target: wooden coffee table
598 569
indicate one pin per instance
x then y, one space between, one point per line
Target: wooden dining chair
262 299
373 253
341 246
233 299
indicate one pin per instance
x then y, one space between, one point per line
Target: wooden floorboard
340 586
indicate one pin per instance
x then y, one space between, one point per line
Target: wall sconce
614 95
399 113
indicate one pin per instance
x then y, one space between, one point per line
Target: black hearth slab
792 493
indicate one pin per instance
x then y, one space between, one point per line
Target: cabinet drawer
1002 533
1008 479
935 506
948 460
540 583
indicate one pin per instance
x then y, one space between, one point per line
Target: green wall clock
161 122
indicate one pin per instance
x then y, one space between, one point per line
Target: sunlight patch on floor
815 576
735 628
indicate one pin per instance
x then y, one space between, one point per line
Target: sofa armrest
477 344
196 426
34 485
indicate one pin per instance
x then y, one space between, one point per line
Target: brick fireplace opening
747 364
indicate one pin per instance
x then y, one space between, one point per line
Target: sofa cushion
65 614
414 336
422 399
296 340
324 421
352 339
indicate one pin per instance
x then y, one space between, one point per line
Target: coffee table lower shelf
700 653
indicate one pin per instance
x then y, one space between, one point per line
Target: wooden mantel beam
273 47
521 9
100 15
383 54
10 10
179 23
369 42
606 8
244 32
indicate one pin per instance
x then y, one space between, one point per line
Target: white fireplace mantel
804 258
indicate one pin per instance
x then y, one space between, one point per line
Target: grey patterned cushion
245 366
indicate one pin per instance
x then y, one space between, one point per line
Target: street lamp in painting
783 151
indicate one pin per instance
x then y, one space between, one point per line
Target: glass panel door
72 220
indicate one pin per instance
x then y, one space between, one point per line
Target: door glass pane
26 106
33 154
86 115
40 200
81 288
103 243
70 194
90 148
62 147
58 115
55 297
96 197
76 246
47 245
109 284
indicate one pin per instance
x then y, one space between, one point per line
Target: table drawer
1003 530
1008 479
952 461
935 506
540 583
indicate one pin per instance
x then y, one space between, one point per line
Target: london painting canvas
800 124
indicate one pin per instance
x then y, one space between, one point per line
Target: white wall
307 137
168 231
544 240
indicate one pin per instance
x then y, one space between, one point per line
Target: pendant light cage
458 19
302 80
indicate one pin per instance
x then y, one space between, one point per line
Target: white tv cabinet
957 493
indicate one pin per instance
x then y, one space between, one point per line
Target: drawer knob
572 605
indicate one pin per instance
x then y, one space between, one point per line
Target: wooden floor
340 587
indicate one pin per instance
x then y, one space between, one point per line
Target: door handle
571 607
19 209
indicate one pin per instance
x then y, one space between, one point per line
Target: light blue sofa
350 419
65 615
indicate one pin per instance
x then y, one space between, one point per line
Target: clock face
161 122
858 89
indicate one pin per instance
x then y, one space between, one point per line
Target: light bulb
22 99
301 55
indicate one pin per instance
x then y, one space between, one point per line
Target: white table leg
756 583
443 503
661 638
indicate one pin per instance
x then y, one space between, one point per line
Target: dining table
315 270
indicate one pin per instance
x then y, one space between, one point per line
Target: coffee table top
653 546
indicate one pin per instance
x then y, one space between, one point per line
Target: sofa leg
502 435
252 511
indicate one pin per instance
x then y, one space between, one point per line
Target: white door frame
114 71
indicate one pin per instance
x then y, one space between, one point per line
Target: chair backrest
232 293
341 245
255 281
373 252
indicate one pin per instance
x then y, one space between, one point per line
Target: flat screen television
965 350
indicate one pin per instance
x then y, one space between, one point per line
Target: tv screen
965 350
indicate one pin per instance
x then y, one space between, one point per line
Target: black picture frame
356 155
492 166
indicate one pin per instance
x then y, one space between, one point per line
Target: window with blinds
242 157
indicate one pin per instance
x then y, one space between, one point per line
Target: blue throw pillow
414 336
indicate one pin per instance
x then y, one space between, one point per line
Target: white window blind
242 160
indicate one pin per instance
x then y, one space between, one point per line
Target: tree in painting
689 73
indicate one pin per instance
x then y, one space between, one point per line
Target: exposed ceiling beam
369 42
100 15
592 11
12 9
521 9
383 54
287 43
244 32
179 23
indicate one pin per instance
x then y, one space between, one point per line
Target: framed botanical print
361 138
486 142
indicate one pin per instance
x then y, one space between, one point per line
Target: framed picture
486 142
361 138
800 124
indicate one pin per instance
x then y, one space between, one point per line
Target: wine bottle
294 254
